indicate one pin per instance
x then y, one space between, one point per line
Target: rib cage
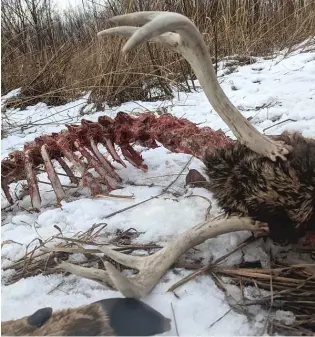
177 135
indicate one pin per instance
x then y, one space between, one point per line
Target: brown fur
280 193
87 320
109 317
195 179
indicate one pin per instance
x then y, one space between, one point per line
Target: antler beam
153 267
187 41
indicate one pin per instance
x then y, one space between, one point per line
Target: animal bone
242 176
188 41
157 27
153 267
177 135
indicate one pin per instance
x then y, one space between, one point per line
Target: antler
187 40
153 267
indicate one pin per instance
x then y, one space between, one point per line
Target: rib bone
6 189
153 267
66 168
104 161
189 43
32 181
52 175
111 182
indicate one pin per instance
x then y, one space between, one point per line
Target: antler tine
123 30
169 39
128 21
153 267
190 44
163 22
97 275
128 287
138 18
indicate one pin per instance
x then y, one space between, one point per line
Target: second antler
153 267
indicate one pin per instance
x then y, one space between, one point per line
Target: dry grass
40 259
69 60
280 286
290 287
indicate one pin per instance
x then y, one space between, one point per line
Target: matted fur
281 193
109 317
89 320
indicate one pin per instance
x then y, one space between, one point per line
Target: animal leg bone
153 267
188 41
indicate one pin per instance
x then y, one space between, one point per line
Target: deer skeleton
181 35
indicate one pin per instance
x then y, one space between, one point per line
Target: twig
92 228
71 250
59 174
168 186
287 120
7 242
271 300
79 241
266 322
112 196
132 206
175 322
48 183
219 319
151 198
57 287
95 250
162 176
307 332
208 208
211 265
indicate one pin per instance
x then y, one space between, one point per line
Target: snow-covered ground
270 91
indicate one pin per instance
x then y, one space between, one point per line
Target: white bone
104 161
188 41
181 35
97 275
32 181
69 173
52 175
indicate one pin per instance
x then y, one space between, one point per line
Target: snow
278 94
